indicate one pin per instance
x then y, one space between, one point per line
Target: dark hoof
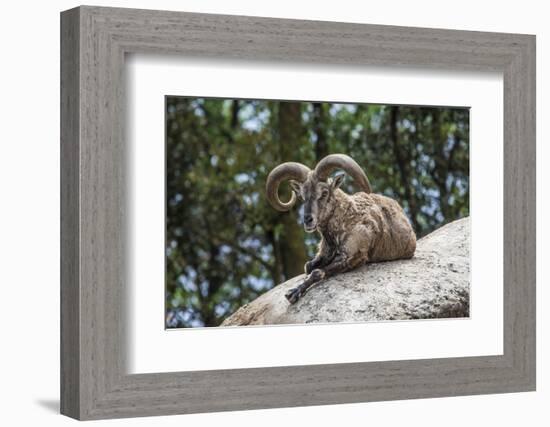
293 295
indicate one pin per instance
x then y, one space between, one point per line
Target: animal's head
314 187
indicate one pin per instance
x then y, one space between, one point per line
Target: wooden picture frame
94 41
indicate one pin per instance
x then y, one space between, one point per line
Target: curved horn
288 170
346 163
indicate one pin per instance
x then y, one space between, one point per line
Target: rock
435 283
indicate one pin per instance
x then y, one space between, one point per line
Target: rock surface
435 283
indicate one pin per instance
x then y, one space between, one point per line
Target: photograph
307 210
302 212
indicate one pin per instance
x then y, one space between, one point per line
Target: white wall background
29 213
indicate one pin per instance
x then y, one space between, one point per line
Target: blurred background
225 245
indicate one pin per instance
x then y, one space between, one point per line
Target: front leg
355 251
343 264
324 256
318 262
296 293
339 264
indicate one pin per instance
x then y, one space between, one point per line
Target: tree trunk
440 172
402 164
319 123
235 107
277 270
291 240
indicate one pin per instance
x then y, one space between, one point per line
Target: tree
291 136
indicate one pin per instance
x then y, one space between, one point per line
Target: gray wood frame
94 383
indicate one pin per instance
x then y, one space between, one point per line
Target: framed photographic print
261 213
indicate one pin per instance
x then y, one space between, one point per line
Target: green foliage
225 245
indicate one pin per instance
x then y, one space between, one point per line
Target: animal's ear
296 187
337 181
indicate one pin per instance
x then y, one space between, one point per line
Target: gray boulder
435 283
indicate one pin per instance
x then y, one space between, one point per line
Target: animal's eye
324 194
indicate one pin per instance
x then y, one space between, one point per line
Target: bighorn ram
354 229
